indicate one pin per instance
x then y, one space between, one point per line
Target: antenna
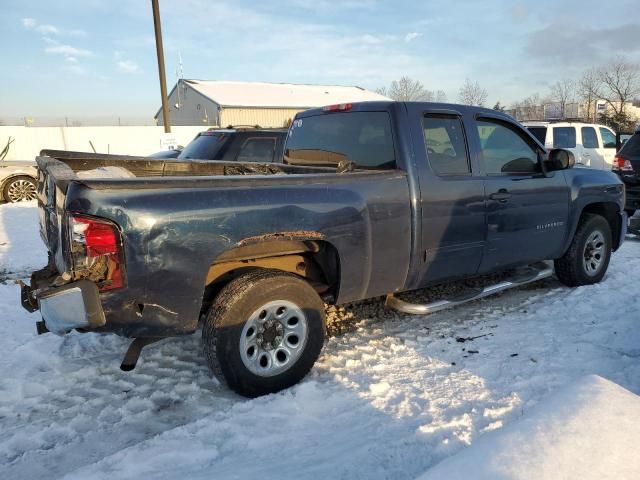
179 74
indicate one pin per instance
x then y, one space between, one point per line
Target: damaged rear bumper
74 305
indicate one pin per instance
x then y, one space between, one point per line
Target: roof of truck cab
428 106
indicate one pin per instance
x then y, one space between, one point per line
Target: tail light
96 250
621 164
340 107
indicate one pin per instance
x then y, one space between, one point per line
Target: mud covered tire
235 307
571 268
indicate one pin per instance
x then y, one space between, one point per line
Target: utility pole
160 53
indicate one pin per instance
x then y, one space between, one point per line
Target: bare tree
471 93
409 90
530 108
619 84
406 90
587 89
563 92
440 96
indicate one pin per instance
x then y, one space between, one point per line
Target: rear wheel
264 332
587 259
20 189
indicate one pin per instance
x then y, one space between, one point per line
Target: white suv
593 145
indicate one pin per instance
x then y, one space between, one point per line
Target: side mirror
559 159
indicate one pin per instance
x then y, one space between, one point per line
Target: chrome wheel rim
594 253
273 338
21 190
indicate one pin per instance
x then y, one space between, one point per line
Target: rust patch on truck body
293 235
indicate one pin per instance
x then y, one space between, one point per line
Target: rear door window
589 137
257 149
564 137
445 143
363 138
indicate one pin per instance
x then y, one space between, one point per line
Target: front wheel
264 332
587 259
20 189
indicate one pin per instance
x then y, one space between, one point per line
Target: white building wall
119 140
265 117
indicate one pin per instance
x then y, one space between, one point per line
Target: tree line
409 90
616 84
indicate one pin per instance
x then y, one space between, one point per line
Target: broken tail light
96 250
621 164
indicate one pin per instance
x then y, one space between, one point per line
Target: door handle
501 195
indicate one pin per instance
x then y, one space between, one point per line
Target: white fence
28 141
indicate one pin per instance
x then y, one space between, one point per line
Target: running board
533 273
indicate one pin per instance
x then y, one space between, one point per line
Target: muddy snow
390 397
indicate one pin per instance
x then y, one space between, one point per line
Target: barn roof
279 95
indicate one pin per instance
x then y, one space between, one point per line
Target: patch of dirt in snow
390 396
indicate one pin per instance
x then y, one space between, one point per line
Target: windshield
207 146
540 133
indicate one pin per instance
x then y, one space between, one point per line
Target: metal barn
225 103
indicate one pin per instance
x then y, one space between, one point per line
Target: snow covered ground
587 430
390 398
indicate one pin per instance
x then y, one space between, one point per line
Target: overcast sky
97 57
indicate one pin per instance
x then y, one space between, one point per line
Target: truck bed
63 167
180 216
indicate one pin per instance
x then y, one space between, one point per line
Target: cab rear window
327 140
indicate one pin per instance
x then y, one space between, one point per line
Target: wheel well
609 211
316 261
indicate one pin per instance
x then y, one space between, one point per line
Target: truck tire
18 189
587 258
264 332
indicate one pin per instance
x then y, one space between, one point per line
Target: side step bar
530 274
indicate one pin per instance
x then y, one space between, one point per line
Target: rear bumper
75 305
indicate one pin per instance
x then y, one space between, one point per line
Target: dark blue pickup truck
371 199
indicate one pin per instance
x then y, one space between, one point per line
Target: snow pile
387 399
588 430
21 249
105 172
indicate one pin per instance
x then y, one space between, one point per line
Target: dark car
264 145
173 153
627 165
371 199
